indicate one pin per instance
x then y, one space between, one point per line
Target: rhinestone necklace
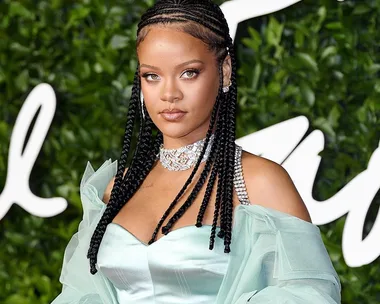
185 157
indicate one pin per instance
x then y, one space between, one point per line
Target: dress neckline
162 238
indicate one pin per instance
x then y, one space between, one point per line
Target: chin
174 131
179 129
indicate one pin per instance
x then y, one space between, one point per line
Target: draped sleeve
277 258
79 286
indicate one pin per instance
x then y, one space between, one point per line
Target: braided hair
204 20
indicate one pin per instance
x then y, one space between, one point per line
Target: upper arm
107 192
268 184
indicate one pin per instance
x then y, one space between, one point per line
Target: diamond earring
142 104
227 88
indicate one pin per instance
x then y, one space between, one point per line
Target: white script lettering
20 163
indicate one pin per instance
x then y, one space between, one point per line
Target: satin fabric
177 268
275 258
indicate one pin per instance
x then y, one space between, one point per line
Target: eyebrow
177 66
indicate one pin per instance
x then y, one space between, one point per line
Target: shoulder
268 184
107 192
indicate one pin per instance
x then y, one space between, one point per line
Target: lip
173 115
172 111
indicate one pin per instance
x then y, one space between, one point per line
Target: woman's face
179 81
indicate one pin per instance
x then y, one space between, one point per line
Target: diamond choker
185 157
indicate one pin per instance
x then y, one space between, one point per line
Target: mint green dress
275 258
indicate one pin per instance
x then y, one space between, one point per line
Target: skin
179 72
168 58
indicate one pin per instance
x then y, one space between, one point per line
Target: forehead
168 42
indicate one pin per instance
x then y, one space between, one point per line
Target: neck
175 143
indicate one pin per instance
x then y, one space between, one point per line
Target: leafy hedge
318 58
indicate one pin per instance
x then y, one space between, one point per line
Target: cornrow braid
209 188
204 20
133 106
211 182
131 116
231 155
214 172
219 172
179 17
222 165
224 177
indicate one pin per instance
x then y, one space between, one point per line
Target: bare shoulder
107 192
269 184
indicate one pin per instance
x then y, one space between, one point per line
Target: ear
227 71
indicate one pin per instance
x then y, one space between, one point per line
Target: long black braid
231 123
204 20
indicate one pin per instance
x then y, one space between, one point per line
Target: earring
227 88
142 104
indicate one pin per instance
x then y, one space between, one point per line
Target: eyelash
195 71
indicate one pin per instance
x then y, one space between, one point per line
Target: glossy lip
173 115
173 111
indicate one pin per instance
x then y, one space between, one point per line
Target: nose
170 91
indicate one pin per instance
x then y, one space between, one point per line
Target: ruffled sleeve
78 285
277 258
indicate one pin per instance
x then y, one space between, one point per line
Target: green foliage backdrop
319 59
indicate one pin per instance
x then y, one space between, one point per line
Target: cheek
150 96
205 94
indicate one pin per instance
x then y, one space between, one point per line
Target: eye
151 77
189 74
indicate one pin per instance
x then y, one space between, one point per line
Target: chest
145 209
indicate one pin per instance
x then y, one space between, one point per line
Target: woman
140 239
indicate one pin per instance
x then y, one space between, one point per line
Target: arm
279 256
107 192
288 266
